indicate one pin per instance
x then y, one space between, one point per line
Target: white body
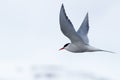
77 48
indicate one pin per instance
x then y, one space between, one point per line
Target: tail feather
107 51
92 49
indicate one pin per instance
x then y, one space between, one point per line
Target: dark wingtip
62 9
86 17
62 5
87 14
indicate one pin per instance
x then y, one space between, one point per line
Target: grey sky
30 34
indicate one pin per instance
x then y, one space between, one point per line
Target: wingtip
62 5
62 9
86 17
87 14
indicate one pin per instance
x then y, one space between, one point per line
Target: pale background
30 35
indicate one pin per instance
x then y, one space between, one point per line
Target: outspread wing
67 27
83 30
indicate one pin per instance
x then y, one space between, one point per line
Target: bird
79 39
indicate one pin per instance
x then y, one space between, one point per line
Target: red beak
61 49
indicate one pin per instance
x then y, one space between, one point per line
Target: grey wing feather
67 27
83 30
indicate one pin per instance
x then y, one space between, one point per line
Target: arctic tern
79 40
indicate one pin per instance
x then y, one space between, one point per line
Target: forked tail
92 49
107 51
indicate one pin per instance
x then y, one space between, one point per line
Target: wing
67 27
83 30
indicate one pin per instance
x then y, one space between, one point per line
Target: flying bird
79 39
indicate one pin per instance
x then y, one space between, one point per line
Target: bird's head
64 46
